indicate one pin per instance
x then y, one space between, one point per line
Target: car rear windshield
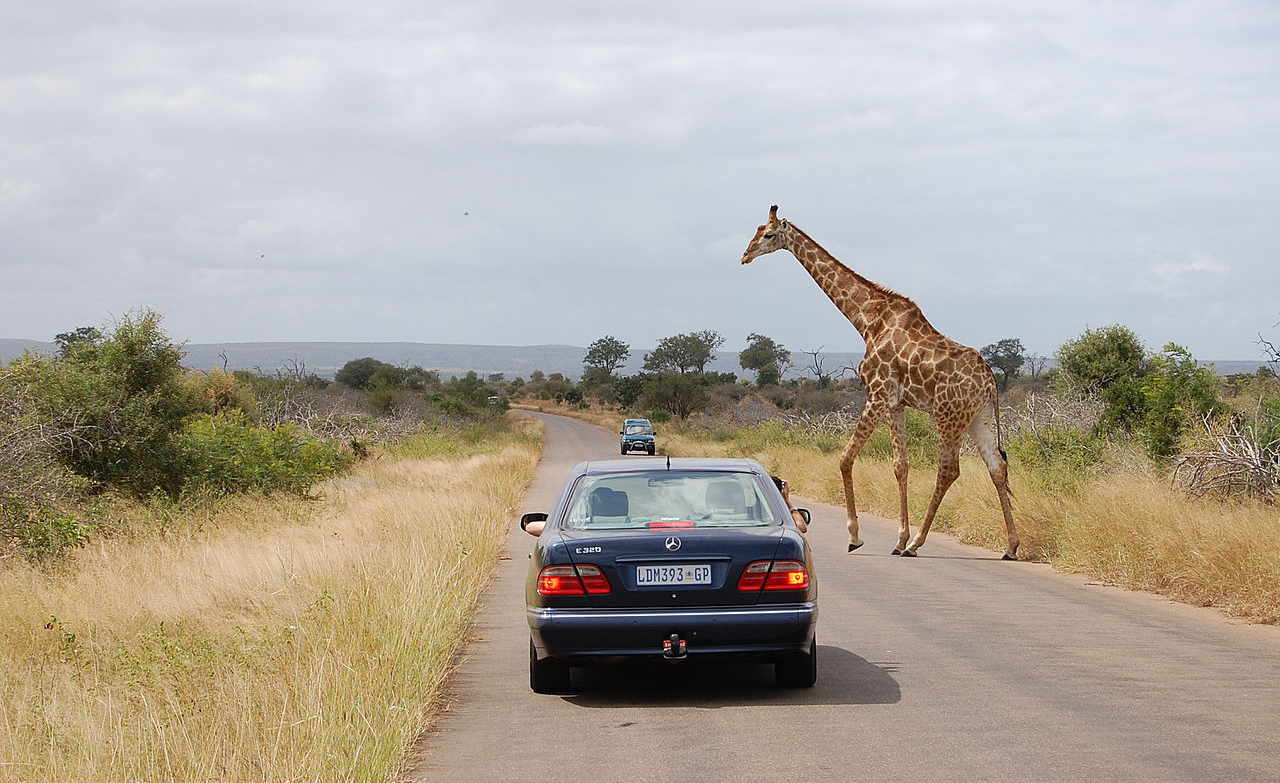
639 429
667 499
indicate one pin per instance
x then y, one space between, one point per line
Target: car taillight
571 580
593 579
774 575
669 523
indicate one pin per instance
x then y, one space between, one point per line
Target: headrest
726 496
607 502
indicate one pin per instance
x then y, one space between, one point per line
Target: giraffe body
908 363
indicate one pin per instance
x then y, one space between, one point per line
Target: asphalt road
954 666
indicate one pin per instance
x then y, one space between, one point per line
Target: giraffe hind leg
948 472
984 435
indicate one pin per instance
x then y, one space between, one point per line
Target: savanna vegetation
236 576
1140 467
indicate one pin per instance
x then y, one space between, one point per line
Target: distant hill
325 359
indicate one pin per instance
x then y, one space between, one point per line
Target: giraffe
908 363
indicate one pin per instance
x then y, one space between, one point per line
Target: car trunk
629 556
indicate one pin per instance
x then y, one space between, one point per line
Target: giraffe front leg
948 472
898 428
872 412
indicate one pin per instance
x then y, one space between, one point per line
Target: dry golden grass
1124 525
293 647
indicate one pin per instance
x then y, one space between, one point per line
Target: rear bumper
587 634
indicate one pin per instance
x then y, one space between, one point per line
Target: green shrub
922 440
1057 448
1056 457
1176 389
45 536
225 453
129 395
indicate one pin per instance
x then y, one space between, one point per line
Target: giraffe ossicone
908 363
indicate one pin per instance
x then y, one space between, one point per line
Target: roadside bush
1175 391
45 536
218 390
1056 456
678 393
225 453
129 395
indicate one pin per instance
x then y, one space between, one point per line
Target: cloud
1186 278
571 133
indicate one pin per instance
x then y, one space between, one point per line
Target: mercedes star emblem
672 543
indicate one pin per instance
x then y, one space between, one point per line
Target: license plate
673 575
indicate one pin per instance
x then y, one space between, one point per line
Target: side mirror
804 512
655 433
533 522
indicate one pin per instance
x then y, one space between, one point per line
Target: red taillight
566 580
774 575
669 523
593 579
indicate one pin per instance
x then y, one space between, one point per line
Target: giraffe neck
857 297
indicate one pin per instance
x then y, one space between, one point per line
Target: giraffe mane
883 289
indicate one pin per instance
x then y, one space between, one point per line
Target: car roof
633 465
635 421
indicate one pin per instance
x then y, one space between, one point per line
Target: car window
639 429
667 498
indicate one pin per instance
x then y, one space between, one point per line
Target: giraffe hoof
896 551
854 546
1008 556
908 553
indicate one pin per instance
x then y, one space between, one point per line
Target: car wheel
547 675
624 451
653 450
799 670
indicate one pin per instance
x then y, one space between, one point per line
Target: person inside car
785 489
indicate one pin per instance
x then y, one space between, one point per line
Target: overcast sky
520 173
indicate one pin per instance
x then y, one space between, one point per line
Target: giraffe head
769 237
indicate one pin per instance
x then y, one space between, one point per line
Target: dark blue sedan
669 559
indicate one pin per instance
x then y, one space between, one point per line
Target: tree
1102 357
684 352
766 357
358 373
606 354
1109 362
1175 387
1270 351
418 378
128 393
704 346
1036 364
677 393
1007 357
627 389
83 334
815 367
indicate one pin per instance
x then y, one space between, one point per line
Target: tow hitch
674 648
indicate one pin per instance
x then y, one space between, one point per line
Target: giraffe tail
995 402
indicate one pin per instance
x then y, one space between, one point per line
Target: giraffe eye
768 236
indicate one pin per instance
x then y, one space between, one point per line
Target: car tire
653 450
799 670
547 675
624 451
